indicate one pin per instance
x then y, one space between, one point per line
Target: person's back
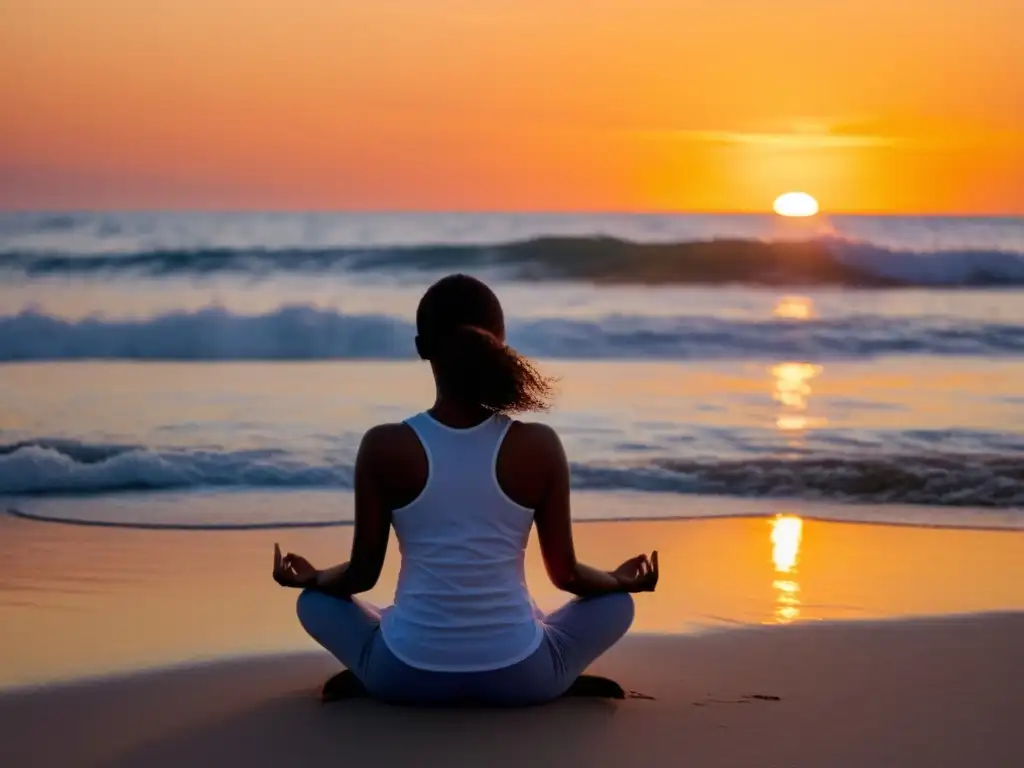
462 604
462 485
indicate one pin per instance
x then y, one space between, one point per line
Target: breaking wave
310 333
45 467
48 467
821 261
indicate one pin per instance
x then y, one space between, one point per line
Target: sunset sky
702 105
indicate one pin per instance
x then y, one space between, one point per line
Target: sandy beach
940 692
885 645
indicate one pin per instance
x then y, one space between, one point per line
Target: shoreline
596 507
285 526
921 692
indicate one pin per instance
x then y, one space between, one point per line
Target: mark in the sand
719 701
638 695
745 699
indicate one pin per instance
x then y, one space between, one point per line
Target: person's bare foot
344 685
593 686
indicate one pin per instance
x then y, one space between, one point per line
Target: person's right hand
638 574
293 570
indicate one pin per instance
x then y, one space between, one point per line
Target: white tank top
462 604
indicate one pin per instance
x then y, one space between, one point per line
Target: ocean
217 370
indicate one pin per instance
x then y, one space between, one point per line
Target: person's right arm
554 530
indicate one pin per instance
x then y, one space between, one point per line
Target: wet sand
80 601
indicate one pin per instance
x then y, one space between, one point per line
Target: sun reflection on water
794 308
786 537
792 391
793 383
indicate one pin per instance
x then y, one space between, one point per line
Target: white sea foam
311 333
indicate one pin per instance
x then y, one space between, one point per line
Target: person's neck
456 414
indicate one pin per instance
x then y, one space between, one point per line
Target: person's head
460 329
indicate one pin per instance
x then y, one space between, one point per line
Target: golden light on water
792 380
792 390
796 205
794 422
787 533
786 537
793 383
794 308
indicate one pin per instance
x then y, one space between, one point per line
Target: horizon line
324 211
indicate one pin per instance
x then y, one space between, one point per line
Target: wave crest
820 261
997 481
310 333
46 467
957 481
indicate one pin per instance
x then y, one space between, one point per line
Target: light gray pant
574 636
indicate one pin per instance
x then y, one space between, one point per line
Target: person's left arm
369 540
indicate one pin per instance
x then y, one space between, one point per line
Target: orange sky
871 105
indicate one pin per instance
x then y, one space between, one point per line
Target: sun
798 204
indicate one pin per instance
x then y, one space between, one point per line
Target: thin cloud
863 134
787 140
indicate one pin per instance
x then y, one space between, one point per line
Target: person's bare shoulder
389 442
392 455
532 448
537 438
530 461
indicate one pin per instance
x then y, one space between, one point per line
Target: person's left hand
293 570
638 574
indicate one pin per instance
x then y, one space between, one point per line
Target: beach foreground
929 673
926 692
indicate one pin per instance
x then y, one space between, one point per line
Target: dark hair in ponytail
460 328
